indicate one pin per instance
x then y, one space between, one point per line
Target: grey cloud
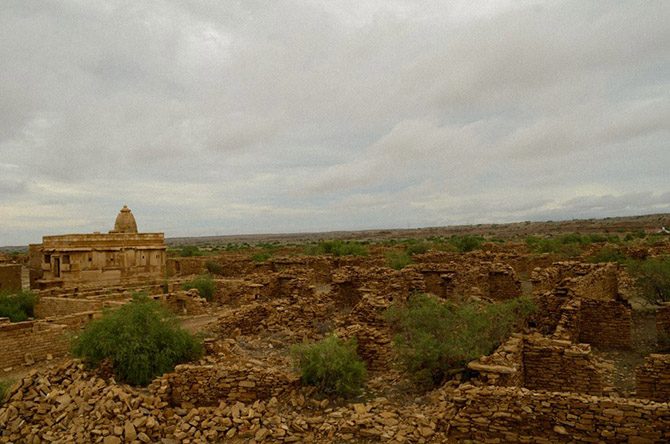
223 117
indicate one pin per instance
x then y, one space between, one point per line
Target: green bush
214 267
652 277
141 340
463 244
435 338
190 251
607 254
205 285
18 307
568 245
332 365
261 257
398 260
338 248
417 248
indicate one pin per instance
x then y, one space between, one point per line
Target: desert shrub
637 234
435 338
19 306
332 365
466 243
398 259
607 254
261 257
338 248
417 248
205 285
652 277
214 267
189 251
141 340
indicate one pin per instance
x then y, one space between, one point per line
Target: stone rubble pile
71 405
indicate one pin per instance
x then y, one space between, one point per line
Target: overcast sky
226 117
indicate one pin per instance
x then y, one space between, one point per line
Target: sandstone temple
122 256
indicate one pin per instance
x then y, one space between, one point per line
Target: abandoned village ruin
586 367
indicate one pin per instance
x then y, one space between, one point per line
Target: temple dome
125 222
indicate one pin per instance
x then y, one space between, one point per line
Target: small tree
434 338
332 365
652 277
141 340
205 285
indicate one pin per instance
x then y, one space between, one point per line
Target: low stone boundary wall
31 341
509 414
47 306
207 385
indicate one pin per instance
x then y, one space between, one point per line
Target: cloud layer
242 117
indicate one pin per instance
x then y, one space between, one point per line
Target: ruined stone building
122 256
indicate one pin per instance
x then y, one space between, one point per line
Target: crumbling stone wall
508 414
31 341
374 344
605 323
234 291
184 266
561 366
57 306
244 320
592 281
207 385
504 367
652 378
493 280
503 282
663 323
182 302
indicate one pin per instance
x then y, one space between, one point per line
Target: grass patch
141 340
5 385
435 338
19 306
205 285
398 259
332 365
